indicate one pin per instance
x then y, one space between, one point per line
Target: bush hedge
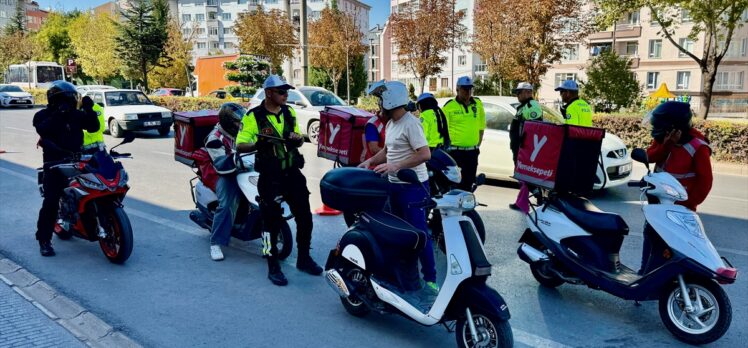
729 140
40 95
177 104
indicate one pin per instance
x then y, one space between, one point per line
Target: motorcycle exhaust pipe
530 254
337 283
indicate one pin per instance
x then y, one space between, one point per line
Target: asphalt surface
170 294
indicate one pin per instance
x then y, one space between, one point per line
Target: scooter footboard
476 294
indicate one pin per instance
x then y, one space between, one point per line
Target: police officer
95 141
528 109
271 128
433 120
467 121
575 111
60 127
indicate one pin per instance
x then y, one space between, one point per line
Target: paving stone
8 266
40 291
63 307
91 326
21 278
116 339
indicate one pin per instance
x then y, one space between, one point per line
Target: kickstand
450 326
637 303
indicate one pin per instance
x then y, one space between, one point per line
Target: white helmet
392 94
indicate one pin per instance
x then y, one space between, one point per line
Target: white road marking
531 340
21 129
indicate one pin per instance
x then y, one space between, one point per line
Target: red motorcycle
91 206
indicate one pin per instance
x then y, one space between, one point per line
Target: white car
308 101
83 89
11 95
496 158
130 110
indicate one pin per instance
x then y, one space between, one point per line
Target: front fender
476 294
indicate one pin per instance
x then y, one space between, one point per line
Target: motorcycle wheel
492 331
543 276
352 303
713 311
285 241
479 227
117 246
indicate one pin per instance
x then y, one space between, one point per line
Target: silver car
308 101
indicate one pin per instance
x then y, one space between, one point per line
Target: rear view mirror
408 175
640 155
480 179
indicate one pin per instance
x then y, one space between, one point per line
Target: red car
174 92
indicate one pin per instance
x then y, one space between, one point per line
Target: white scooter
570 241
375 265
248 222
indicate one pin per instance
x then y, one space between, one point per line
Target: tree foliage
610 83
17 23
493 85
93 37
174 67
249 71
142 36
522 40
334 40
53 36
715 21
266 33
424 35
18 47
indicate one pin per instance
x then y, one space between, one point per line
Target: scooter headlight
671 191
688 221
253 180
453 174
467 201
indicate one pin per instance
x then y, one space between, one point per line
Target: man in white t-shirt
405 147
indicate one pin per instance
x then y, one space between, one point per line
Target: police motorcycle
248 222
570 241
91 206
375 264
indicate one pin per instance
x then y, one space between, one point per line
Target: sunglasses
280 91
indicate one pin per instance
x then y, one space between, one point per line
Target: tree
610 83
17 23
522 40
93 37
714 20
174 68
493 85
334 39
18 47
142 36
54 37
424 35
269 34
249 71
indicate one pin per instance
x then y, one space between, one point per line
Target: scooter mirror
129 137
408 175
480 179
640 156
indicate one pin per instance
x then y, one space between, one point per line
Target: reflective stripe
694 145
683 176
463 148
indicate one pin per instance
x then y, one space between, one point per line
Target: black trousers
54 184
467 160
291 185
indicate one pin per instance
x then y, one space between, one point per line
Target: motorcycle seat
391 230
585 214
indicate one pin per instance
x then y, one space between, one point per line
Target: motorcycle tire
541 274
704 294
479 227
493 331
117 246
285 241
352 304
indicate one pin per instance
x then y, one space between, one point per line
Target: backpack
205 169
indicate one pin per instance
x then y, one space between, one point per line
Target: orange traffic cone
327 211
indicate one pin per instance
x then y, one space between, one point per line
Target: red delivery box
341 134
191 128
559 157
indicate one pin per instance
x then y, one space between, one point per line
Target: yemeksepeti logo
333 132
537 146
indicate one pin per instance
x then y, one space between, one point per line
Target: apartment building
34 15
655 60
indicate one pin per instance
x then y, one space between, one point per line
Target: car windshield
322 98
126 98
10 88
498 117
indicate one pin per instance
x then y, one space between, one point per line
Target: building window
296 73
632 49
186 17
432 84
729 80
242 2
462 60
632 18
215 45
200 17
212 16
684 77
738 48
227 31
201 45
200 31
570 25
226 16
213 31
212 3
653 79
685 16
315 15
570 53
445 82
561 77
655 48
186 31
687 44
228 45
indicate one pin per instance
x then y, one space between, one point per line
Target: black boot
305 263
45 248
274 272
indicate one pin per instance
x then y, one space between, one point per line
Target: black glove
87 103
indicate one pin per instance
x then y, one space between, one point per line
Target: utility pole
304 48
289 63
454 83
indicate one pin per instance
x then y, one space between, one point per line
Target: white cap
275 81
522 86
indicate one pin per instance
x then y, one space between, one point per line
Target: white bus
34 74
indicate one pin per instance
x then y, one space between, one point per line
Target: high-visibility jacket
689 163
465 122
97 137
578 113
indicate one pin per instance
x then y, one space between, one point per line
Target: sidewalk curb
730 168
81 323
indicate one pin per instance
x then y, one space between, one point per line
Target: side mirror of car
408 175
640 155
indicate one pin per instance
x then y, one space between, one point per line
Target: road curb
730 168
81 323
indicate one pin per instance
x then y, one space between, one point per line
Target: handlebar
428 204
636 183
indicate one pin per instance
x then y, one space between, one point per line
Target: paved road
171 294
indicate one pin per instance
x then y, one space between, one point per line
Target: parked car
131 110
12 95
220 94
308 101
495 159
174 92
85 88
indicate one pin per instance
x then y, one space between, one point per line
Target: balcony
623 31
481 68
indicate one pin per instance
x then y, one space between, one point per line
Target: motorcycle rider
272 129
221 144
62 124
405 147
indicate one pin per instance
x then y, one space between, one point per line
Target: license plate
624 169
152 123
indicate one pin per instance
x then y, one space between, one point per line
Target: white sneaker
215 253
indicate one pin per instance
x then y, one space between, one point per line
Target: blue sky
380 9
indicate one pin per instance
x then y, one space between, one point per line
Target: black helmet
669 116
62 95
229 116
